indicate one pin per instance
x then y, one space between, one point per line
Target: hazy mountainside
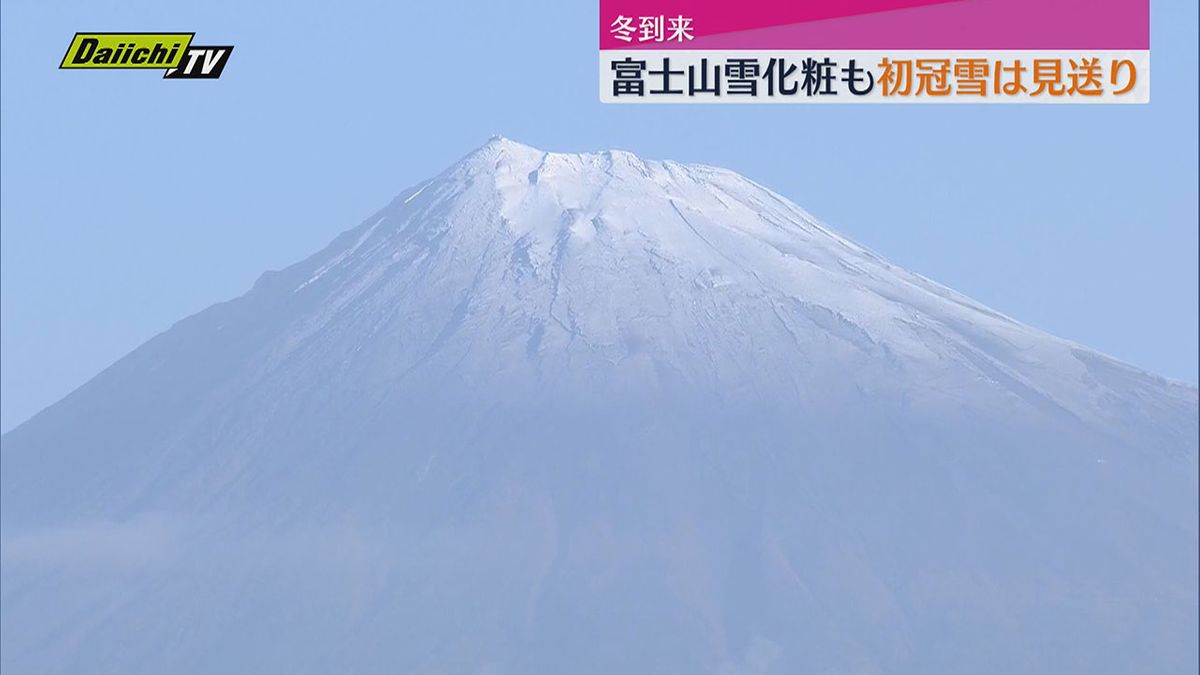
588 413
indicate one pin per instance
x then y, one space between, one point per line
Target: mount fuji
587 413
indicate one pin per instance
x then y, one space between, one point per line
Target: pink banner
875 24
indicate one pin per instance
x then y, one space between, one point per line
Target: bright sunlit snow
586 413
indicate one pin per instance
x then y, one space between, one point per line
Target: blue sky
129 202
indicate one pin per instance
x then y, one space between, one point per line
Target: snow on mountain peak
575 413
692 272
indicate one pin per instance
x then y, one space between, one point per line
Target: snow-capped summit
692 275
551 412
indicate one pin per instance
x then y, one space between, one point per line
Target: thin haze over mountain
576 413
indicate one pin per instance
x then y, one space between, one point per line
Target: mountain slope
572 413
